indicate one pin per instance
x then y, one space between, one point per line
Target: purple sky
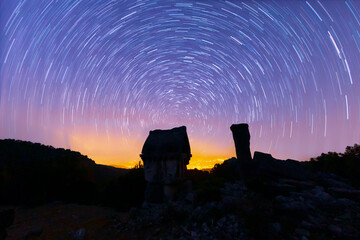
96 76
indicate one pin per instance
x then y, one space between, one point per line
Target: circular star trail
96 76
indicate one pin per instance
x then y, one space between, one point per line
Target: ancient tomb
241 137
165 155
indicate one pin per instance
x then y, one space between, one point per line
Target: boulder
79 234
268 165
345 193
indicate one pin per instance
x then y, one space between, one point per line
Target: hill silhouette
32 173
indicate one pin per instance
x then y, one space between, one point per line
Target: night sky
96 76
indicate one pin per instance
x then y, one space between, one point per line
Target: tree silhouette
345 164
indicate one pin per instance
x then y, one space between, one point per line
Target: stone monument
165 155
241 137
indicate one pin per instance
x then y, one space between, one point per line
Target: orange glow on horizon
205 162
106 149
123 152
199 162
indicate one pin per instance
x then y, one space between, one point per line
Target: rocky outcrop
241 137
259 198
283 209
165 155
268 165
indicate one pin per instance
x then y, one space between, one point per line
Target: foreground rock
321 207
267 165
165 155
282 209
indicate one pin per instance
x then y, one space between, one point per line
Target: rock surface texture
283 208
165 155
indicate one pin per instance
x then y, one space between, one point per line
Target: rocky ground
324 208
264 198
63 221
284 209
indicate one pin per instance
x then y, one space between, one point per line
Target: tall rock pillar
241 137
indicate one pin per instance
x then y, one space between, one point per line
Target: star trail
96 76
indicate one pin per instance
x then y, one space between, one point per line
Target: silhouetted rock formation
165 155
241 137
262 166
268 165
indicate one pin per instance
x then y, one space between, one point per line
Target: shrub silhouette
228 170
345 164
205 185
127 190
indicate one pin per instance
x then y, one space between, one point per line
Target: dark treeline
346 165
